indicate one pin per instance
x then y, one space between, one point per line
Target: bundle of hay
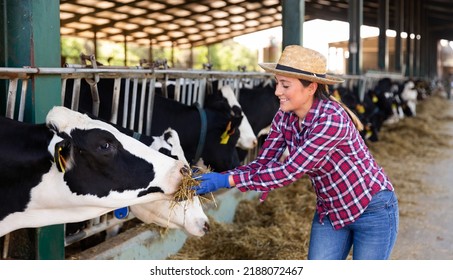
186 190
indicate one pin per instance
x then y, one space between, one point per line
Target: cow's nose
206 227
185 170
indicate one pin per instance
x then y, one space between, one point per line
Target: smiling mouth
283 100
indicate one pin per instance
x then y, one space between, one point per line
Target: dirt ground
417 155
426 223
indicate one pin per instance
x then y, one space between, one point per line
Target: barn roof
187 23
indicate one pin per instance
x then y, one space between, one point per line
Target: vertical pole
3 53
293 13
355 14
383 21
95 43
399 23
150 51
426 55
32 38
410 30
173 54
417 46
125 50
191 57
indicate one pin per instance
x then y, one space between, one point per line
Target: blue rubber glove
211 182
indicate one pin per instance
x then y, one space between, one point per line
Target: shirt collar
314 111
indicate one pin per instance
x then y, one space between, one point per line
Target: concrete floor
428 235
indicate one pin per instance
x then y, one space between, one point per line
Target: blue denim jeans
371 237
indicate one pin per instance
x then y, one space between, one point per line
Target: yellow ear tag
375 99
337 95
360 108
225 136
61 160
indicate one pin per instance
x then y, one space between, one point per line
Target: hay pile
279 228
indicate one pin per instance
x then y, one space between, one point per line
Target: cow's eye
104 146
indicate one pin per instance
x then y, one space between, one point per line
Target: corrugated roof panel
158 17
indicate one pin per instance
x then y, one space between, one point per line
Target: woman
356 203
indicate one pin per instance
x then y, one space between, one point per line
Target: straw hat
302 63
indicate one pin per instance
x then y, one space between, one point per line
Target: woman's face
294 96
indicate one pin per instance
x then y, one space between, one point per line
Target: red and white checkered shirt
329 149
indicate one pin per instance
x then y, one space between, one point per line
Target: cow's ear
62 154
236 111
55 130
237 116
52 127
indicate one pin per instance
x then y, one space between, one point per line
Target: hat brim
328 79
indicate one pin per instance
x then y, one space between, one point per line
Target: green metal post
383 23
355 15
32 38
293 15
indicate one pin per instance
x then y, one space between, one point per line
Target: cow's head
187 215
247 139
99 161
223 133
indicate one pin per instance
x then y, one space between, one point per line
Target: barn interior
187 24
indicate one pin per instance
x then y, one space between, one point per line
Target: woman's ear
312 88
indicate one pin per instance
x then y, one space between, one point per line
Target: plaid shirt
329 149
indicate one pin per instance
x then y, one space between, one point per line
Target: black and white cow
372 110
210 134
409 94
381 105
75 168
259 105
187 215
247 139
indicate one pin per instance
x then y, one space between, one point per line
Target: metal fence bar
126 102
23 96
150 105
134 101
104 72
185 89
115 100
12 92
63 90
142 105
178 95
95 98
76 94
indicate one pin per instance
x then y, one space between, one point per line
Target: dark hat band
291 69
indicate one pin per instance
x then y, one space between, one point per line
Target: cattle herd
385 103
78 166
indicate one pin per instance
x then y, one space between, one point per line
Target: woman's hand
211 182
